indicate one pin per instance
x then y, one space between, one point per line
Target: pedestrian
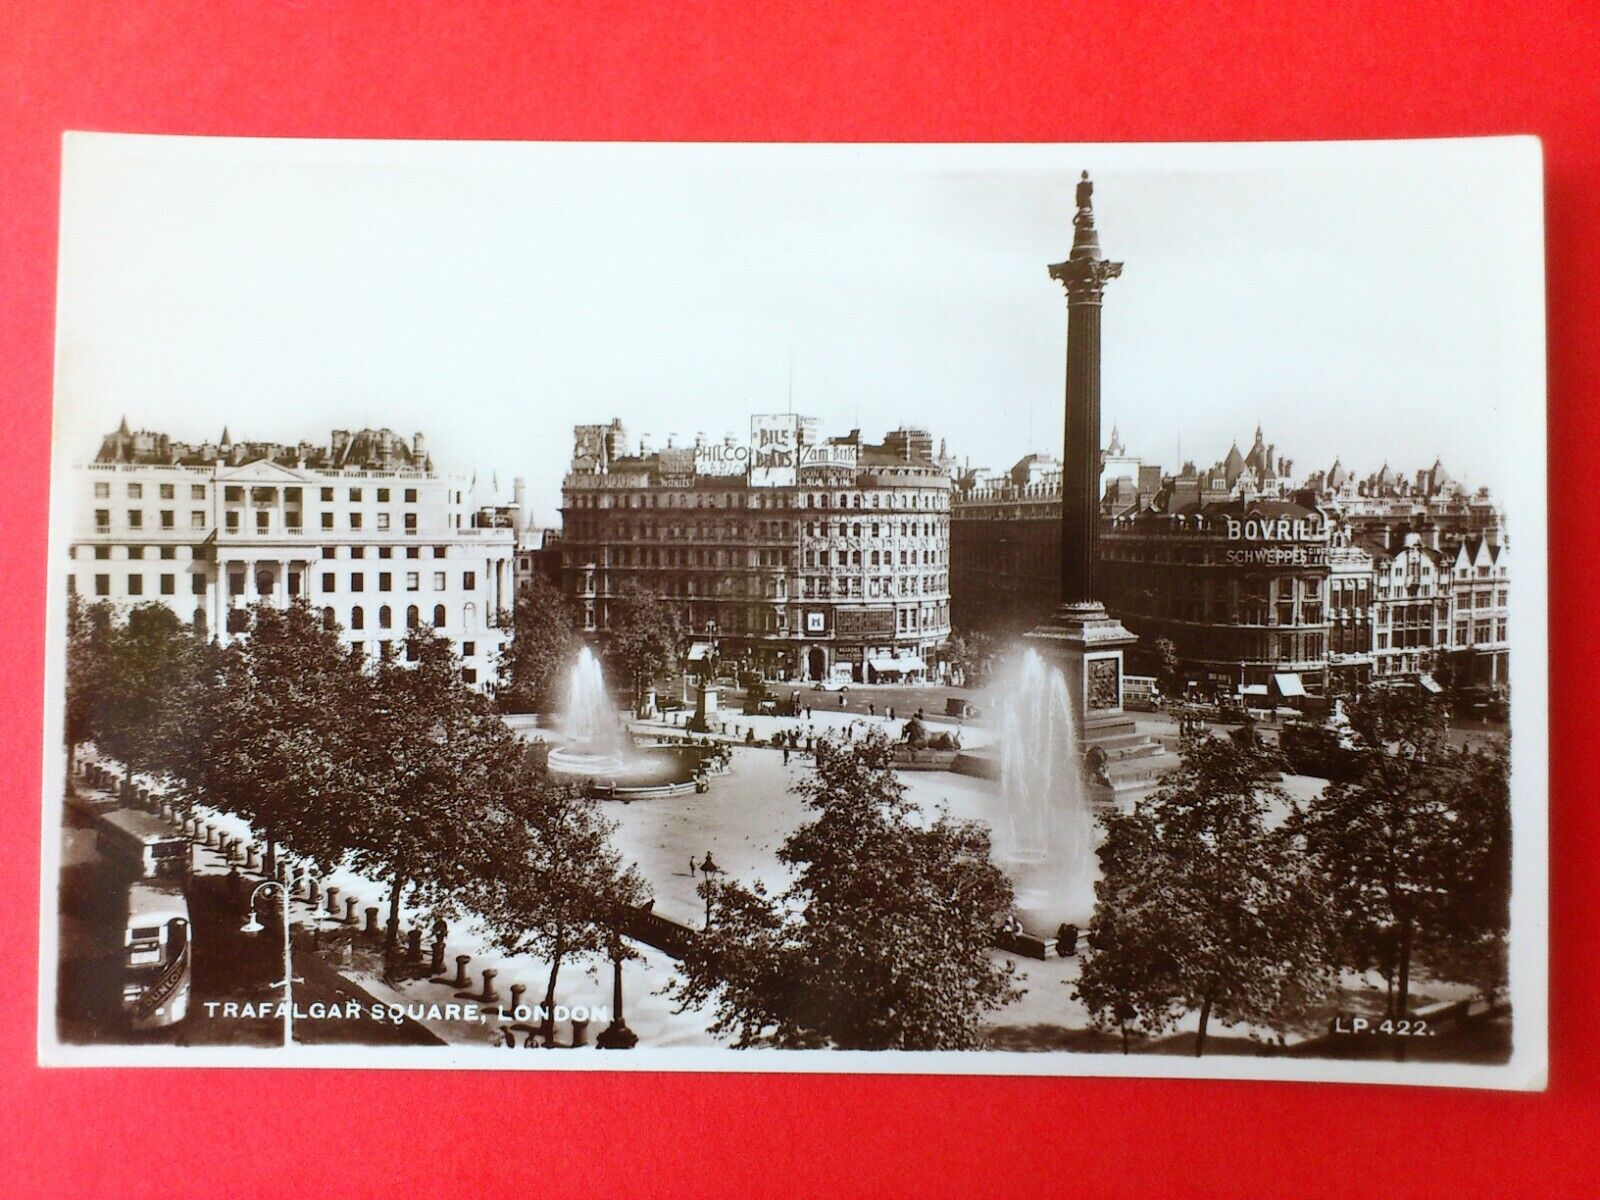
891 712
691 866
841 699
872 709
786 756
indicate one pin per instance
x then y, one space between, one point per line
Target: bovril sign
1278 541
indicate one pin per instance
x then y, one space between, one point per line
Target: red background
1174 70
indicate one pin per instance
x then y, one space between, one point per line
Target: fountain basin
641 774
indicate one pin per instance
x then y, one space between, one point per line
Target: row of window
935 500
413 581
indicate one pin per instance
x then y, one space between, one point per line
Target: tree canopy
883 939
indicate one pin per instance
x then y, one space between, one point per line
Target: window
385 551
328 619
169 552
233 494
469 674
411 522
358 619
263 520
327 581
136 586
197 491
197 519
135 518
413 552
355 495
102 585
469 580
327 494
413 581
383 520
438 581
355 520
438 616
383 494
413 617
330 552
440 551
167 491
357 583
411 495
102 520
102 491
468 649
135 551
136 491
358 551
169 585
197 584
233 522
385 617
385 581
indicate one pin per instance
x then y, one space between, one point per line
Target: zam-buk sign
773 455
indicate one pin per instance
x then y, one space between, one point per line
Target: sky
1373 301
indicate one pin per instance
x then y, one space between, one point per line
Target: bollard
350 903
312 889
414 944
333 902
436 961
580 1032
283 872
230 847
462 960
249 858
489 994
517 990
372 921
213 837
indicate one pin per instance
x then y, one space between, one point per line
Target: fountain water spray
596 740
1045 838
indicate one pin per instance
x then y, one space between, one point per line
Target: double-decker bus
141 846
155 954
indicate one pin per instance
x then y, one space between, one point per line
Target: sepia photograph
1012 609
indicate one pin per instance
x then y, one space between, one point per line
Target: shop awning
1288 684
897 666
699 650
1253 689
1430 683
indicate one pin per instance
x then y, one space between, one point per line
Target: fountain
596 742
1045 837
597 748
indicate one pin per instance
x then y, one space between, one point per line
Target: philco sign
773 454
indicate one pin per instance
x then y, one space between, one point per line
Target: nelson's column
1081 638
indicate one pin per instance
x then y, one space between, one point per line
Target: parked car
830 685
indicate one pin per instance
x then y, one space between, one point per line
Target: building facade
363 530
1385 579
799 556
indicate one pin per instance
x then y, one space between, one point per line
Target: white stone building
363 530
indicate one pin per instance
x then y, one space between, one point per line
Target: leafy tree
544 639
1203 906
644 632
882 941
1415 848
89 634
139 714
551 884
272 744
432 748
1475 924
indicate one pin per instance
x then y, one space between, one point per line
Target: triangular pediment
263 471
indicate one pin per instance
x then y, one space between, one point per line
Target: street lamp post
253 926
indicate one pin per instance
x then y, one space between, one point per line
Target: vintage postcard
981 609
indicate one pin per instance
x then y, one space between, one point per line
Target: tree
882 941
544 639
272 744
432 749
644 632
1475 923
551 884
1415 848
89 635
139 714
1203 906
